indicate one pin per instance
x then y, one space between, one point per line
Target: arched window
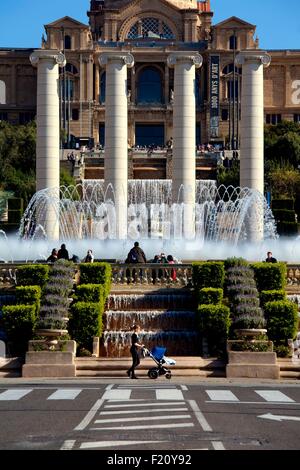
2 92
149 86
150 27
233 42
102 87
68 42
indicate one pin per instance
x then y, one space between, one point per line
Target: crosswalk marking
117 394
169 394
115 444
218 445
147 426
274 395
221 395
153 410
68 445
128 405
15 393
65 394
199 416
140 418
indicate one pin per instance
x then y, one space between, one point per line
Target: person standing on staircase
135 346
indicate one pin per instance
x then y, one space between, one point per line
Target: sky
278 21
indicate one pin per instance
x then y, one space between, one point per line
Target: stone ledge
248 357
49 358
260 371
58 370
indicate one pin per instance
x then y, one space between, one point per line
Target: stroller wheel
153 373
168 375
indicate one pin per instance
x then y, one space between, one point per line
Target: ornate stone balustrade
175 275
147 274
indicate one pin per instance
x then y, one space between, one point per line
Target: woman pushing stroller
135 346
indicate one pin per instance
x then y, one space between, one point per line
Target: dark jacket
63 254
136 255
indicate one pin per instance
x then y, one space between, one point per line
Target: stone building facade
150 31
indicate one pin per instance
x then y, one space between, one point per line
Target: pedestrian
89 257
170 260
63 252
53 257
135 346
270 258
136 255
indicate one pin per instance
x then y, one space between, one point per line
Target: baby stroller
158 356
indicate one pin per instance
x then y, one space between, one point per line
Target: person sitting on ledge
53 257
63 252
270 258
89 257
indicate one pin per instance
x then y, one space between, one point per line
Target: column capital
194 58
54 55
124 57
254 56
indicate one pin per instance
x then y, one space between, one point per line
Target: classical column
184 135
116 133
252 131
48 130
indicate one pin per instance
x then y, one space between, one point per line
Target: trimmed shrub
208 274
287 228
271 296
89 293
96 273
32 275
278 204
85 323
19 321
210 295
284 215
214 323
270 276
28 294
282 320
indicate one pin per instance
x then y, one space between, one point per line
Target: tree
282 143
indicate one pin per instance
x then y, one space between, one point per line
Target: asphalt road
149 415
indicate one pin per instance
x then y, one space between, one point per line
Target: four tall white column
184 135
252 131
116 133
48 130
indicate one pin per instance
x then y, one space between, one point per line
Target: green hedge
208 274
89 293
210 295
284 215
28 294
271 296
270 276
214 323
282 320
32 275
287 204
287 228
96 273
85 323
19 321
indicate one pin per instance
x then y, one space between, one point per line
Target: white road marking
65 394
141 418
199 416
90 415
183 387
145 404
221 395
274 395
68 445
218 445
251 402
109 387
149 426
115 444
141 411
117 395
169 394
279 418
15 394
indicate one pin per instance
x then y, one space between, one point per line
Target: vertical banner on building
214 95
